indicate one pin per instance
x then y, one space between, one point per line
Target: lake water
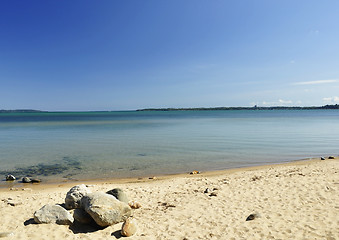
92 145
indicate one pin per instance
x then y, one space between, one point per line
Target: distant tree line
20 111
336 106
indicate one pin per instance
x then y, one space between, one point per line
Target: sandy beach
297 200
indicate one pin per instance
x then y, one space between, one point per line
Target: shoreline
70 183
293 200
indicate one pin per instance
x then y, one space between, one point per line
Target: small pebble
134 204
213 194
129 227
331 157
13 202
322 158
207 190
252 216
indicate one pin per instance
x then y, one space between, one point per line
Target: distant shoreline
242 108
21 111
336 106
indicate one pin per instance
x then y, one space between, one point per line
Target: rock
167 205
129 227
6 234
82 216
322 158
35 180
119 194
30 180
213 194
255 178
10 177
74 196
252 216
134 204
13 202
53 214
26 180
195 172
331 157
207 190
105 209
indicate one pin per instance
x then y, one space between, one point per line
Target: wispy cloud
315 32
316 82
285 101
331 100
280 102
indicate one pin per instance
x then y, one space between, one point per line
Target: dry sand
298 200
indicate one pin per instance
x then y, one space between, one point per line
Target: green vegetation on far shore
336 106
20 111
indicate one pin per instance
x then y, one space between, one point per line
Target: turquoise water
59 146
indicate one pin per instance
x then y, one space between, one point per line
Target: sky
83 55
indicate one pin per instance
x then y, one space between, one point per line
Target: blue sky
123 55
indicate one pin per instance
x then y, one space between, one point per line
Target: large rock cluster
102 209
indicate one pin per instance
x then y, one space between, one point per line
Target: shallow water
58 146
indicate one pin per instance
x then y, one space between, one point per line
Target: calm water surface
59 146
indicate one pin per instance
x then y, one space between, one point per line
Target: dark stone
13 202
35 180
26 180
213 194
207 190
119 194
322 158
331 157
10 177
252 216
